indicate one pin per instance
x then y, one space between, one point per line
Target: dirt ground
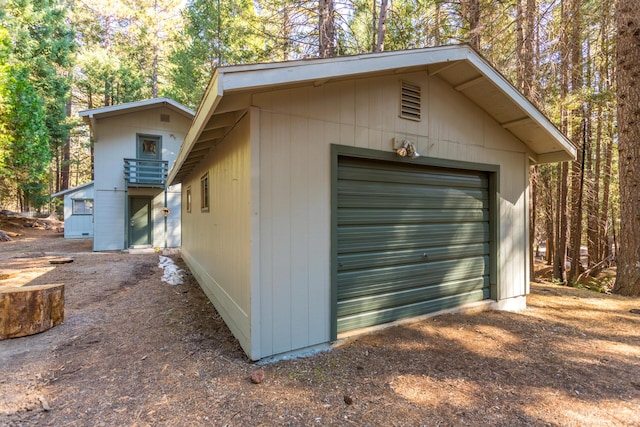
135 351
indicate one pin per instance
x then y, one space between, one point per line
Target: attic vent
410 101
165 118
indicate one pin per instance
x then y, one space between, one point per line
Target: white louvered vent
410 101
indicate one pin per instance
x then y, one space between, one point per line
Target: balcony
145 173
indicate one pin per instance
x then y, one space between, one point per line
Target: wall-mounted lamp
404 148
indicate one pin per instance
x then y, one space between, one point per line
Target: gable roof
459 65
72 189
89 116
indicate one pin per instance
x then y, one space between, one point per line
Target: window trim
205 189
157 139
86 211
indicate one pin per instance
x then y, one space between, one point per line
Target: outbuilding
324 196
135 145
78 211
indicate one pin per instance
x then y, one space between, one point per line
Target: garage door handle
425 257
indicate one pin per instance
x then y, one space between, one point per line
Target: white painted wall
293 130
77 226
109 220
115 140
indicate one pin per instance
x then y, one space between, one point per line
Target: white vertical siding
297 127
115 141
77 226
109 218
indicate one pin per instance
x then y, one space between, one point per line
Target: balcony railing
145 173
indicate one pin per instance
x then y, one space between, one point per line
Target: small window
410 101
188 199
82 207
204 192
149 147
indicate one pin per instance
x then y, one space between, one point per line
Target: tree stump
28 310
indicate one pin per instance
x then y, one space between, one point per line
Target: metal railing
145 173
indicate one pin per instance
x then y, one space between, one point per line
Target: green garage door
411 239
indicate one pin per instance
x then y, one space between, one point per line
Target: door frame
149 201
366 153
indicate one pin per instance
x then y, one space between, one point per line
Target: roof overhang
90 116
460 66
71 190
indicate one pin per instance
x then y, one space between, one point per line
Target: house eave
71 190
459 65
129 107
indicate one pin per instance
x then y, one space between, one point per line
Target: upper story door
149 147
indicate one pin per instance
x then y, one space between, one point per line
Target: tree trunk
576 217
577 135
628 95
382 25
65 165
548 216
471 12
593 192
559 269
326 29
606 186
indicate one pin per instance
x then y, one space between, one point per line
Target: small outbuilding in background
78 211
321 197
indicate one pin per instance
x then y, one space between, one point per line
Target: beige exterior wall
217 243
296 129
264 248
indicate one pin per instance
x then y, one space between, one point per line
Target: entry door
139 221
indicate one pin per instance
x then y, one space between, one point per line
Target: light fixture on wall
404 148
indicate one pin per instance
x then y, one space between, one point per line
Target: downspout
165 216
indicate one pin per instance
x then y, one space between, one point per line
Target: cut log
4 236
61 261
28 310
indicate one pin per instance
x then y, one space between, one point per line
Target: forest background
61 56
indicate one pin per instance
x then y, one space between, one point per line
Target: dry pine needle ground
136 351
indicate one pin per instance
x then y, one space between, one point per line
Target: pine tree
628 93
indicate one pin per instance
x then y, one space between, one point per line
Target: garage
411 238
304 224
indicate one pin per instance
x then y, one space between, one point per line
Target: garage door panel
377 317
410 239
427 201
380 238
367 216
408 296
410 189
402 173
391 279
399 257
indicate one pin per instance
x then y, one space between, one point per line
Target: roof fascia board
72 189
251 77
269 75
138 106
